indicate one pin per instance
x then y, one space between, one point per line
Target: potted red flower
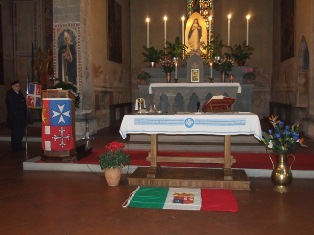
112 161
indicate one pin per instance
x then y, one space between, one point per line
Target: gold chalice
140 103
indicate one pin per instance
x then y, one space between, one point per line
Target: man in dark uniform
16 115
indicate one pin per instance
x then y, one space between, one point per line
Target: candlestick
176 72
247 29
175 61
182 19
147 21
209 28
165 28
229 17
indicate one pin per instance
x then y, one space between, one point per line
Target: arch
302 88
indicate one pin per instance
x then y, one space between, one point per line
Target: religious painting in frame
287 29
114 32
67 53
195 75
196 35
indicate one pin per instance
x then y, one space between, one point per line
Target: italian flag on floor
183 199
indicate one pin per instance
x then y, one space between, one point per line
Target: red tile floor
81 203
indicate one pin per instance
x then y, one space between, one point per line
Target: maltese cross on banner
57 132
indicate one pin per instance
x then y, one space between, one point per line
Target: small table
226 124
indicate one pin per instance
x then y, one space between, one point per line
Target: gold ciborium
140 104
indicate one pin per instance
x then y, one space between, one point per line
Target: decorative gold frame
195 75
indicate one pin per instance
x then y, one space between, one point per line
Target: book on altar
218 103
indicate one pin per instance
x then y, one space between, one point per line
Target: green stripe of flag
149 197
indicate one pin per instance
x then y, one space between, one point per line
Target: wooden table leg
152 170
227 165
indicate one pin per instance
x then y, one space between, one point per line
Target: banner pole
27 116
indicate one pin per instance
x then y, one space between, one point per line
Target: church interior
97 49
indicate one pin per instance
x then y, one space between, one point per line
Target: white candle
247 29
165 29
176 74
229 17
147 21
210 28
211 70
182 19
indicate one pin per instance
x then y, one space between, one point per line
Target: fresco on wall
114 32
1 53
287 29
67 60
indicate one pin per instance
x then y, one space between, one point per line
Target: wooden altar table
225 124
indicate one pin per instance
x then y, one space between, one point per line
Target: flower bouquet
282 138
114 157
143 75
249 74
167 65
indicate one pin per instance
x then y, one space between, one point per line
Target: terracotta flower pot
241 62
113 176
142 81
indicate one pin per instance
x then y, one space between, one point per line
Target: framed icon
195 75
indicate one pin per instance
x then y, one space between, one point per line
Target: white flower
270 145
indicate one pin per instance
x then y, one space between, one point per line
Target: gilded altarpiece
199 27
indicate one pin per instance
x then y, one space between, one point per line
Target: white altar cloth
191 85
233 123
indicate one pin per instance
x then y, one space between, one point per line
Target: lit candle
247 29
165 28
229 17
182 19
211 69
210 28
147 21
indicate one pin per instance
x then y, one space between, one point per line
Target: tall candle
229 17
176 74
182 19
147 21
247 29
165 29
211 70
209 28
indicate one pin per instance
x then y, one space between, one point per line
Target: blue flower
283 138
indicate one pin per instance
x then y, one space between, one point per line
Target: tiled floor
81 203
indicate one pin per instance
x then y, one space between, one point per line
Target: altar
223 124
183 97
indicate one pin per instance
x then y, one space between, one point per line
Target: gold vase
281 175
168 77
223 77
